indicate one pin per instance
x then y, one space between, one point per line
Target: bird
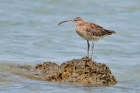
89 31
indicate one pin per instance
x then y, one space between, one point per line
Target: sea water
29 34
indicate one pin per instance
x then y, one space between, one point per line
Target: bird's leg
92 49
88 45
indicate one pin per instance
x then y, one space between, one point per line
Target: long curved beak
66 21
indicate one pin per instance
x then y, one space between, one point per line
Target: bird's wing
96 30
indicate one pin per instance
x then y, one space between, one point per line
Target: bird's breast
82 32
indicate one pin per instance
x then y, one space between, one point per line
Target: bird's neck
80 23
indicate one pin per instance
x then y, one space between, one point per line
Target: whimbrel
89 31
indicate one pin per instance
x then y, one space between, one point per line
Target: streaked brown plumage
89 31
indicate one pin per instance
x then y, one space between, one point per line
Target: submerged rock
82 70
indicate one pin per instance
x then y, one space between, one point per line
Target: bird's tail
109 32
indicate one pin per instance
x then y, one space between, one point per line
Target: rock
82 70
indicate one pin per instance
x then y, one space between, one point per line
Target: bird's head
76 20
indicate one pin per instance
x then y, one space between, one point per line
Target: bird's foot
87 57
90 58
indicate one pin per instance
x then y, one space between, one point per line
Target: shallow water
30 35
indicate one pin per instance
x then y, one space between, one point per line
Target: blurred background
29 34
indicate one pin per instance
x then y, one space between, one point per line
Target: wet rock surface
82 70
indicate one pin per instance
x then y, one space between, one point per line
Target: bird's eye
75 19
